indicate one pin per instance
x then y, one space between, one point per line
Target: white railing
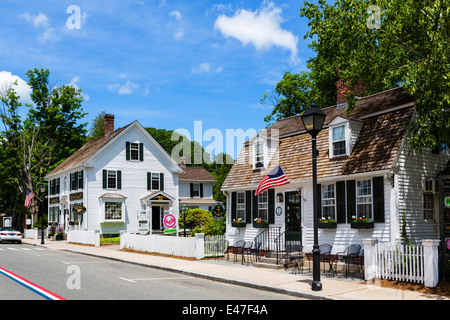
215 246
409 263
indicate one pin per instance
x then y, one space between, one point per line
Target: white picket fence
198 247
395 261
399 262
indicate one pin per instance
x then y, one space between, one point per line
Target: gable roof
196 174
91 149
385 116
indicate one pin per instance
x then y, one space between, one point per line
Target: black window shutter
233 204
149 181
351 200
271 205
340 202
59 186
105 184
192 190
161 181
119 179
248 206
201 190
319 199
378 199
141 151
80 184
255 206
75 183
128 146
70 182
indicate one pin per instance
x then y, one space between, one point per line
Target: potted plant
327 223
59 234
361 223
238 223
260 223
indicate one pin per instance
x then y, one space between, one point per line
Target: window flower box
362 223
260 223
327 224
238 223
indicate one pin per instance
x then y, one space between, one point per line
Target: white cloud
41 21
176 14
74 83
127 88
205 67
261 27
22 89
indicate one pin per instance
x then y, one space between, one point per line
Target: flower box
327 225
260 225
362 225
238 224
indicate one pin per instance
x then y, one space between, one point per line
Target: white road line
14 249
152 279
26 249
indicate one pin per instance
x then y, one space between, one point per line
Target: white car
9 234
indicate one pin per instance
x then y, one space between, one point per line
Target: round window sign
279 211
169 221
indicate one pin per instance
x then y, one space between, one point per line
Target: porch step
268 265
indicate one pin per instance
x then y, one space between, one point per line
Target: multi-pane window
73 216
112 179
328 202
155 181
339 141
364 199
134 151
195 190
240 206
113 210
259 155
263 206
428 200
53 214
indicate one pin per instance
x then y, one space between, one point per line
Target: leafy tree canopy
384 43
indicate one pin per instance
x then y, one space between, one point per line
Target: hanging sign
170 221
79 209
447 201
218 211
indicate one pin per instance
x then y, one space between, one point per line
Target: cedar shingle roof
86 151
375 147
196 173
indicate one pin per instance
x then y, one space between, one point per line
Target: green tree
384 43
97 129
32 147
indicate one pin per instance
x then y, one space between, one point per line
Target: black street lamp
42 191
313 120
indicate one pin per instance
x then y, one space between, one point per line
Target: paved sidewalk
279 281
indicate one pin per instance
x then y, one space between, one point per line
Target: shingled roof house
114 177
365 168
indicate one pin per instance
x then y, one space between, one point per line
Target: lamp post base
317 286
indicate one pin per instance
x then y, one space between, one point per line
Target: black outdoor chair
254 250
357 260
238 249
350 255
294 255
325 250
246 250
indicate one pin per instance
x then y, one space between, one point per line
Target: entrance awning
158 196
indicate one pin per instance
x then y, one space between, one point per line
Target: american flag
30 195
274 178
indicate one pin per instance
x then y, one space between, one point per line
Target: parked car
9 234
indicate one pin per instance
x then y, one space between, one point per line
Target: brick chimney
109 124
343 89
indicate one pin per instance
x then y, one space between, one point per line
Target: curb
301 294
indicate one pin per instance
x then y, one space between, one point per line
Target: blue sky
165 63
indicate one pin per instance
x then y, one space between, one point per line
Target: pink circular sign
169 221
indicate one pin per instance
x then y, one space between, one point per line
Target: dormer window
259 155
343 133
339 142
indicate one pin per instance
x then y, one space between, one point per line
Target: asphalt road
78 277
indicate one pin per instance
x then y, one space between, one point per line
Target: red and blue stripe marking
31 286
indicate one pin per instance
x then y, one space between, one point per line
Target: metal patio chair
238 248
349 255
